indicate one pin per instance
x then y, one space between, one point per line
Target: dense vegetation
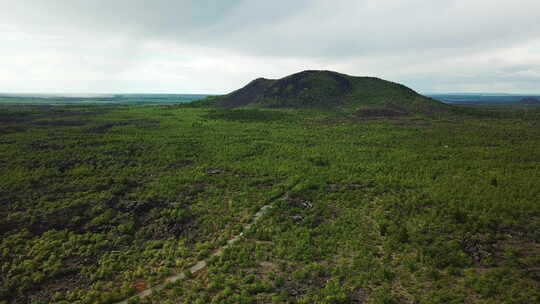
97 202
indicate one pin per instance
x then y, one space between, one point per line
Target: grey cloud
400 39
304 28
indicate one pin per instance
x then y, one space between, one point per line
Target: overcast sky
204 46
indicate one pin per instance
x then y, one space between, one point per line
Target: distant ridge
529 101
329 90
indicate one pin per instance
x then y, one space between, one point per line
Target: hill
331 90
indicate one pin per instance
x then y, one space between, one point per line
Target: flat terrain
99 202
132 99
489 100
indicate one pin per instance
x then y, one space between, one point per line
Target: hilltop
330 90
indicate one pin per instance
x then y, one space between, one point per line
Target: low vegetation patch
250 115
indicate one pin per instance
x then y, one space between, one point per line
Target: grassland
97 202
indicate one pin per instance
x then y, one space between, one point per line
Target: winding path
203 263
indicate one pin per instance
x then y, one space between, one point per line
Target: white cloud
217 46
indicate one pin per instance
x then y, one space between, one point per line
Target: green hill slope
331 90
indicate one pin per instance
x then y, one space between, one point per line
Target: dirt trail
203 263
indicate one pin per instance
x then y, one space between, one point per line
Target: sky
214 47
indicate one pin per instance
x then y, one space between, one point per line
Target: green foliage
100 201
250 115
